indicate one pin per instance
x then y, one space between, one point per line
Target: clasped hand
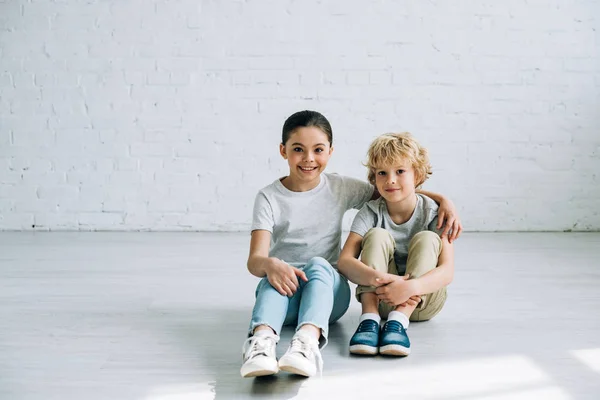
396 290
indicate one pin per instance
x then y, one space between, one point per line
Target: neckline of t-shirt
310 192
387 213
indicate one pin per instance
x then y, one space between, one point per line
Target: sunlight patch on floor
590 357
200 391
506 377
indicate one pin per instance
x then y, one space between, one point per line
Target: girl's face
395 182
307 152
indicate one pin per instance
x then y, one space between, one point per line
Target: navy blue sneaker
366 338
394 340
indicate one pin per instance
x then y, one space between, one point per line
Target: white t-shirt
375 214
308 224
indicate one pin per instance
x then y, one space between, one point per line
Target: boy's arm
447 215
351 267
396 290
441 276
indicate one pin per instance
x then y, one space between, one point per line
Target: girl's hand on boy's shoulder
448 218
283 277
395 290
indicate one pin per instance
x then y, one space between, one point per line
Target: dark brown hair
306 119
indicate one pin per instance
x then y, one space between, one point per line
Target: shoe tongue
263 333
305 337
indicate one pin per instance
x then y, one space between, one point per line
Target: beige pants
423 253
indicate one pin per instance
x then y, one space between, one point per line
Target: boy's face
396 182
307 152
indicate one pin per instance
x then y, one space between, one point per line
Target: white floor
162 316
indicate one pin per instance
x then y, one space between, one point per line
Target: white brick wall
161 115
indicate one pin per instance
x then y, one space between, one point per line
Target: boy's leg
268 315
423 253
325 297
377 252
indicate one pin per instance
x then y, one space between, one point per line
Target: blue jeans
322 300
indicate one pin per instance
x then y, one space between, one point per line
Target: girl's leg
270 308
325 297
268 315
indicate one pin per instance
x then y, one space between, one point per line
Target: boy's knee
426 238
378 236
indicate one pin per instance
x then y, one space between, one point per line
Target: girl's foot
259 355
303 356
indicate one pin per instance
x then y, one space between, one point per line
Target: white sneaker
259 356
303 356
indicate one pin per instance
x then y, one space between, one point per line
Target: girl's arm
351 267
438 198
447 215
283 277
258 259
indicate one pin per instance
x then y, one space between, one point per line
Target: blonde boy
404 264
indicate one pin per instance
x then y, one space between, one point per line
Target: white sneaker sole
394 350
296 368
253 370
363 349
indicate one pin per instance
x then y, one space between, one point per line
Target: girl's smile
307 152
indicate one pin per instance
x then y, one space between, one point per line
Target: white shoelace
256 345
307 347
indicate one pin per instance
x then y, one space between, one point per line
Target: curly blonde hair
390 148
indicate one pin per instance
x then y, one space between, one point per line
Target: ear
282 151
418 180
330 150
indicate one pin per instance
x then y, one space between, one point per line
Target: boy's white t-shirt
375 214
308 224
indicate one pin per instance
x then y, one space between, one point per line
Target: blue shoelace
393 326
368 325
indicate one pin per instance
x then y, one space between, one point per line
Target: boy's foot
394 340
366 338
303 356
259 356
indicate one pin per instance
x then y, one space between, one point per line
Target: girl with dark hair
298 218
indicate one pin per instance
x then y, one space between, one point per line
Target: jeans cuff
324 331
253 326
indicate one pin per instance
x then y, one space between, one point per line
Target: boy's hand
379 279
283 277
413 301
395 290
449 219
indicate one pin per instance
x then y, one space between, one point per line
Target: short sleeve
262 215
433 226
363 221
357 192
